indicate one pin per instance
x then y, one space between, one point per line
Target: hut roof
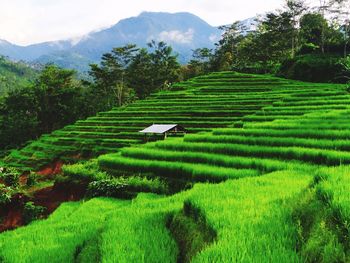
159 128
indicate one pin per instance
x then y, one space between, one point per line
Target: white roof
159 128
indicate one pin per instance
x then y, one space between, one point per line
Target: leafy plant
10 176
32 178
5 194
32 212
108 187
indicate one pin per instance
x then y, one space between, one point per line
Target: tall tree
109 77
139 74
314 29
165 68
200 63
341 14
296 8
58 92
227 48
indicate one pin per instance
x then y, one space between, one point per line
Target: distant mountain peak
4 42
183 31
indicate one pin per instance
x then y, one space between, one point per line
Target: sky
25 22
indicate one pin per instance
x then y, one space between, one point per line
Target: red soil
51 169
12 213
50 197
11 216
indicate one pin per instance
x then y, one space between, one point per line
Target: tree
227 48
59 95
139 74
341 13
270 44
295 8
109 77
53 101
165 68
316 30
199 64
19 117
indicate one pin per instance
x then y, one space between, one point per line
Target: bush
5 194
108 187
86 171
344 63
32 212
308 48
32 179
10 176
125 187
313 68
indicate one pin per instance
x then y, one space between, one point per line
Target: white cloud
32 21
177 36
76 40
213 38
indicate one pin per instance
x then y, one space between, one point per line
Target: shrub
308 48
11 176
344 76
108 187
32 212
312 67
5 194
123 187
87 171
32 179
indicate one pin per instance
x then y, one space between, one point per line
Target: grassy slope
200 104
253 218
136 232
14 75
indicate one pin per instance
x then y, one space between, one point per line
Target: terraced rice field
280 164
107 230
228 153
200 104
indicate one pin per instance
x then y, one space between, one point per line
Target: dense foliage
14 75
307 41
57 97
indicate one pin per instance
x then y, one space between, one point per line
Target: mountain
14 75
183 31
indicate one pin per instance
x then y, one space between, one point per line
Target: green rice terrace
263 175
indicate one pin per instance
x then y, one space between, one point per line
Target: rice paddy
201 104
266 162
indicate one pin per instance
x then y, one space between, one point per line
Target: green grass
267 144
252 218
136 232
335 192
204 103
57 239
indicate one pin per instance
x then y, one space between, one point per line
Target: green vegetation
200 104
137 232
270 145
299 41
14 75
261 176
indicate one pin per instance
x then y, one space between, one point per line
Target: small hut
164 129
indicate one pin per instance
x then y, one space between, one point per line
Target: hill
183 31
14 75
277 148
196 104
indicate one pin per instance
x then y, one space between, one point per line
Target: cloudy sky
25 22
